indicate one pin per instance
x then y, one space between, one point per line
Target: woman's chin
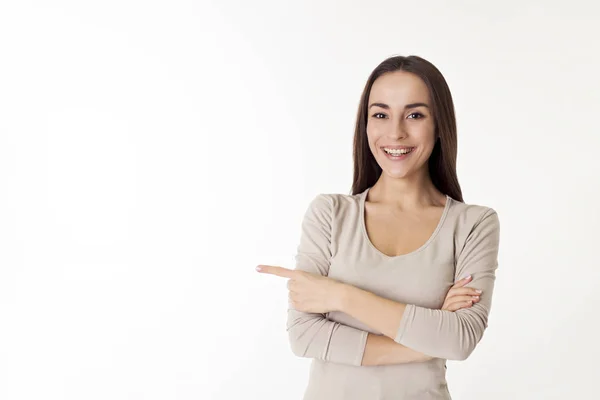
396 173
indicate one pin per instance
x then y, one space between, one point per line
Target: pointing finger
274 270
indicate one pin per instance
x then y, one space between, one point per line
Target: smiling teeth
396 152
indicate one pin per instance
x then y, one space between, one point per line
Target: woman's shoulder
472 209
342 200
335 203
468 216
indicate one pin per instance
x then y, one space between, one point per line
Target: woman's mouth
397 154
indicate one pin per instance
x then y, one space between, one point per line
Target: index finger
274 270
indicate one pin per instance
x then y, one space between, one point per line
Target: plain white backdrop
152 153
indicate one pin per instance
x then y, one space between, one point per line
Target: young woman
396 278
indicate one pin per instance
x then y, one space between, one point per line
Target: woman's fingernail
258 268
467 277
478 290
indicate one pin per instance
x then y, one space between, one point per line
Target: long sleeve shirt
335 243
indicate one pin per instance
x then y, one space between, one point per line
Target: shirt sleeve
312 335
454 335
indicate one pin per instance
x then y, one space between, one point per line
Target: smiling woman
397 277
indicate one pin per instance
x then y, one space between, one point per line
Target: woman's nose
399 132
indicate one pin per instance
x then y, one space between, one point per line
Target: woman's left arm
445 334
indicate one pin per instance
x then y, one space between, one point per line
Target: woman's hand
461 297
309 292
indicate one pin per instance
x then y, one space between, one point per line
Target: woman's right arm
311 335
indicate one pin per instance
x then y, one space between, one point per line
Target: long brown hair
442 162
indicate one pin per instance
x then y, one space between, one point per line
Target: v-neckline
362 201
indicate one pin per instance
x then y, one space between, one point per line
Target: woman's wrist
342 296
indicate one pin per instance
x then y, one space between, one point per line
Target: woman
396 278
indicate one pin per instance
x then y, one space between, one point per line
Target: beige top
334 242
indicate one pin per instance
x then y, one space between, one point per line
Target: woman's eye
419 115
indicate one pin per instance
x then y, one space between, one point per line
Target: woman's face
398 116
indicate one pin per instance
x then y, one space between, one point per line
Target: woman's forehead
399 88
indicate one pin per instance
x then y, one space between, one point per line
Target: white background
153 153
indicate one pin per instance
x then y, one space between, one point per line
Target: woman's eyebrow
412 105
